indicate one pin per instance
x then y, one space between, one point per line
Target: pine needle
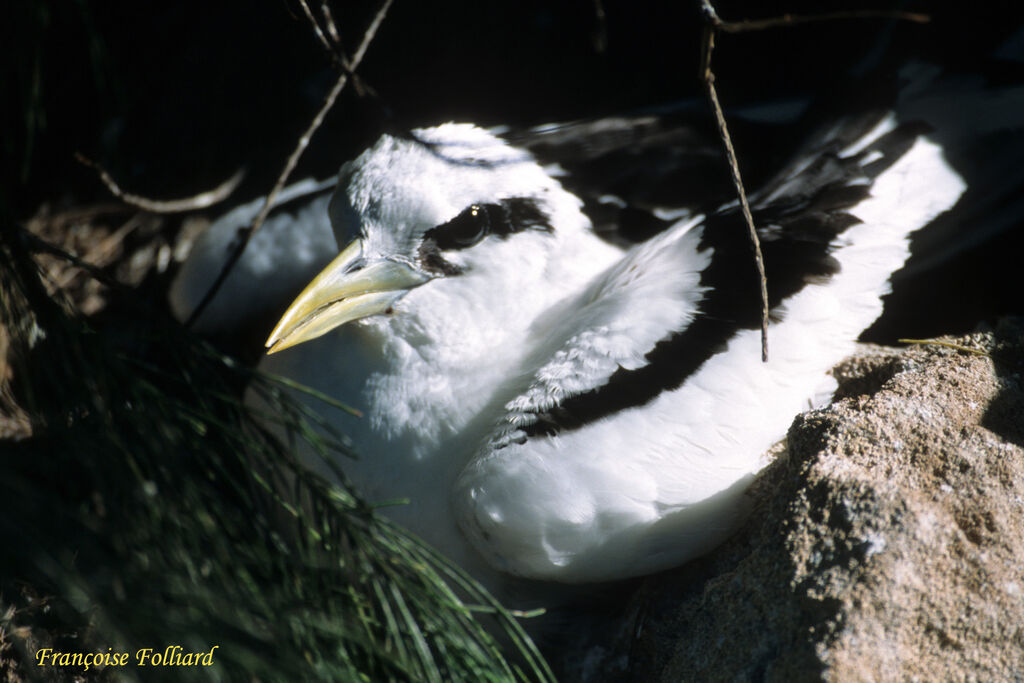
157 509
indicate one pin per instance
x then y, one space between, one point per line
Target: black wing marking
796 227
638 174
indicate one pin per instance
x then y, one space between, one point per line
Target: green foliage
156 509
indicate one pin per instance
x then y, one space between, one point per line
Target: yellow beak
348 289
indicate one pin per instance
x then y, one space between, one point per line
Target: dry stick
333 46
723 132
796 19
199 201
711 28
325 9
316 27
35 243
948 345
99 254
318 31
247 233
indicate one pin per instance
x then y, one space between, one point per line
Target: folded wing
608 464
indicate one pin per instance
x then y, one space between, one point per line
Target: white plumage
486 366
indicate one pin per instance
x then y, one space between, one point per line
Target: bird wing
639 173
608 463
613 324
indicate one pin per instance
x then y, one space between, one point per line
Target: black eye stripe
477 221
516 215
463 231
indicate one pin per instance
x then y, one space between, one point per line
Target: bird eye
463 231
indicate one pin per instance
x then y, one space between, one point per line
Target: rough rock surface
888 542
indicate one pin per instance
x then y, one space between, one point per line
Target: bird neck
454 351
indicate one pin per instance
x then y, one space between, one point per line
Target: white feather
452 376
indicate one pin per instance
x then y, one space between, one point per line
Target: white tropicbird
557 407
509 360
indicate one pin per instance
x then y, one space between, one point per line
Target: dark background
173 97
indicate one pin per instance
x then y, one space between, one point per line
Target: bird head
440 205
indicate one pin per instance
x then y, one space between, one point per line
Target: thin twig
713 25
316 27
99 255
371 31
293 160
199 201
798 19
333 46
723 132
332 29
36 243
948 345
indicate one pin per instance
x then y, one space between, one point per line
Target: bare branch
713 25
333 46
199 201
293 160
316 27
371 31
35 243
946 344
798 19
723 132
332 30
101 253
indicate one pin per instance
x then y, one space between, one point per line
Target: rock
888 542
